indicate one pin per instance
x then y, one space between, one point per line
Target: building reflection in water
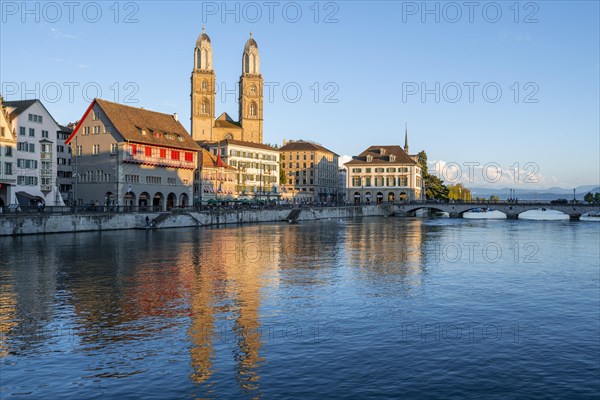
389 255
115 289
27 295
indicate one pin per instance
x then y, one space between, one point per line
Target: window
174 155
31 132
8 168
133 150
148 151
189 157
163 153
2 134
22 130
253 109
86 130
32 147
204 85
96 129
205 106
253 89
44 134
114 148
79 150
60 149
8 151
96 149
35 118
95 116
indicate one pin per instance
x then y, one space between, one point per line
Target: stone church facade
249 126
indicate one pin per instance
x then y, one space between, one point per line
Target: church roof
161 129
250 43
301 145
225 142
225 121
203 37
381 155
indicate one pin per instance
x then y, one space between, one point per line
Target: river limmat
363 308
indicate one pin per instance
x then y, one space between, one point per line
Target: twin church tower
205 127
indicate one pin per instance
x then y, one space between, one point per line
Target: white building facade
36 153
257 167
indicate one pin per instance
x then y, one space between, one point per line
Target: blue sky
361 67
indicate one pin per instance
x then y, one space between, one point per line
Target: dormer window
392 158
369 158
382 151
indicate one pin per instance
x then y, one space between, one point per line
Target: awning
26 199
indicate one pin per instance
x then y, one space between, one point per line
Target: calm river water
371 308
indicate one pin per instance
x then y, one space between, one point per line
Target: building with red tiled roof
130 156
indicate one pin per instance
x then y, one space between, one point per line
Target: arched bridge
512 210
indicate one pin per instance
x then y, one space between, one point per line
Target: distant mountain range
552 193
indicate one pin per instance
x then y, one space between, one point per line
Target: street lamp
361 188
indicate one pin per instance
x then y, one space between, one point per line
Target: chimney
175 117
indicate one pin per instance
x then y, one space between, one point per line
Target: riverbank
16 225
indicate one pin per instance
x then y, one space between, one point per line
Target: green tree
282 177
494 198
597 197
434 186
589 198
459 192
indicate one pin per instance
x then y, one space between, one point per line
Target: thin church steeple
406 138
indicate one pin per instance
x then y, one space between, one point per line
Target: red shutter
163 153
148 151
133 149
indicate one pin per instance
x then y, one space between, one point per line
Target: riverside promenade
56 222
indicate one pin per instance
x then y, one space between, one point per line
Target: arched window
204 59
253 109
246 62
253 65
204 85
253 89
205 107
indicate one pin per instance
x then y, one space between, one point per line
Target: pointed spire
406 138
203 28
250 33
